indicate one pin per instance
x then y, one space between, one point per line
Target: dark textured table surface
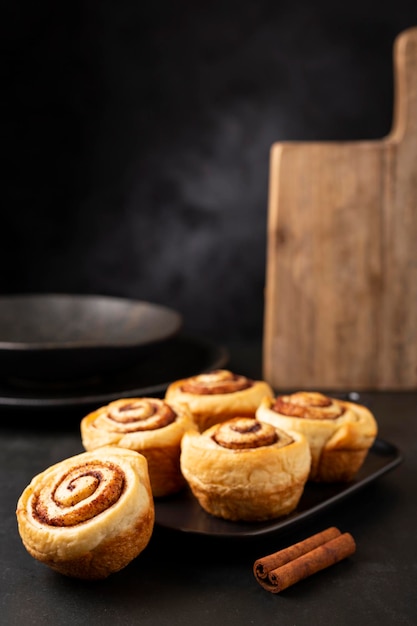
184 578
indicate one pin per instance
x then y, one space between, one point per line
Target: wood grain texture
341 266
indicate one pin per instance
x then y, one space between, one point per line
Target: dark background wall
137 137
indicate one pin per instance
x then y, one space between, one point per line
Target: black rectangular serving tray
182 512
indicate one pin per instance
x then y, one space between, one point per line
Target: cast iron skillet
54 337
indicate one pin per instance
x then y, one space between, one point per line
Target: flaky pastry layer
150 426
340 433
89 515
211 408
249 484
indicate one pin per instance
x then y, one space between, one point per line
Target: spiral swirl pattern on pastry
218 381
243 433
217 396
79 495
89 515
308 404
136 414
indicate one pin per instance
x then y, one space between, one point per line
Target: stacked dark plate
60 350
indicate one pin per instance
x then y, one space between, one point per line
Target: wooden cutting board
341 267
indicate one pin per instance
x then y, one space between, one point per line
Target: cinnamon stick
282 569
263 566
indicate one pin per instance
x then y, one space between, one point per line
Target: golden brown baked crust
150 426
218 396
89 515
245 470
340 433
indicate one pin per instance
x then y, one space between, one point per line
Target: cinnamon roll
150 426
246 470
89 515
218 396
340 433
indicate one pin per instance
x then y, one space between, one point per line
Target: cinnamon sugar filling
144 414
79 495
308 405
243 433
218 381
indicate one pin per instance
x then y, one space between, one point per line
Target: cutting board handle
404 123
341 280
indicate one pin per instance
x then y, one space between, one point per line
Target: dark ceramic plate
183 513
178 357
59 337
